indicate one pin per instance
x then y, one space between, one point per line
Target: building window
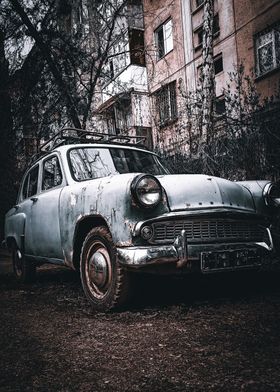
166 104
164 38
199 32
267 46
218 63
218 66
220 105
136 47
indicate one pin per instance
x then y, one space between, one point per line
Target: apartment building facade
257 34
123 104
147 97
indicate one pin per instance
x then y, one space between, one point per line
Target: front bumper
183 254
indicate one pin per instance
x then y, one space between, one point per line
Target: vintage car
107 207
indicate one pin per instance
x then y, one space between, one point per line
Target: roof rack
76 135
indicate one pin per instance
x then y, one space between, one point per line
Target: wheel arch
15 231
82 228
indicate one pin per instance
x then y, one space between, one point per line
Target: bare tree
244 142
52 55
208 81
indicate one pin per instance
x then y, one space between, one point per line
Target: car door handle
34 199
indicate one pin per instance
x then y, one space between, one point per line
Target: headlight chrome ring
146 190
271 194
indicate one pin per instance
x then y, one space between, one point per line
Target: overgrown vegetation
244 142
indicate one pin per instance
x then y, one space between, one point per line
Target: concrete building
160 60
173 38
257 35
123 105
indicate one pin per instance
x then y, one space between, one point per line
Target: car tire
105 282
24 270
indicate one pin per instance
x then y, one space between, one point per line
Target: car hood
192 191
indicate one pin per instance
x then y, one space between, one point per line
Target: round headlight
271 194
147 190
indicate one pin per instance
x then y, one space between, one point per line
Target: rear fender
15 230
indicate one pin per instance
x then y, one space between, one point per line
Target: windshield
87 163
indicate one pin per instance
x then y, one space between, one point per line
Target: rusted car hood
189 191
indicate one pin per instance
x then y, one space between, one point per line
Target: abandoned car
106 207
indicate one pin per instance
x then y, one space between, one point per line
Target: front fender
108 198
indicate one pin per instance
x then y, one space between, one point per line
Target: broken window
267 47
166 103
164 38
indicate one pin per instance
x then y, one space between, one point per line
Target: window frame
27 177
199 30
218 57
137 47
165 51
273 30
171 103
42 175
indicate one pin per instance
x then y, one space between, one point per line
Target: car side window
30 184
52 175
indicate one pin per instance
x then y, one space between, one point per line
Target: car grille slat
209 230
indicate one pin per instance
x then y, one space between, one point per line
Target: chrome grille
209 230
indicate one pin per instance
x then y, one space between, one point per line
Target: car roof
68 138
67 147
100 145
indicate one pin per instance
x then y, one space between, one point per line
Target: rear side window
30 184
52 175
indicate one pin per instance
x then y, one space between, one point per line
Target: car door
27 196
45 210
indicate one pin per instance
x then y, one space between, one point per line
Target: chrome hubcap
98 270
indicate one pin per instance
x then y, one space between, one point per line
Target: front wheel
24 270
105 282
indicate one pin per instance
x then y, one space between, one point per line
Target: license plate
230 259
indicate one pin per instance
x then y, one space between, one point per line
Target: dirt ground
198 334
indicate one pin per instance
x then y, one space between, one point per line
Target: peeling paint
109 200
73 199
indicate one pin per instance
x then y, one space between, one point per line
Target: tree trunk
53 65
7 168
208 82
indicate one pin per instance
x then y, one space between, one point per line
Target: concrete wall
251 18
224 42
168 68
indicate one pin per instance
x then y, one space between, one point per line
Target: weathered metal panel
197 191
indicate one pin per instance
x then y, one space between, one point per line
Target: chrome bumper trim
144 255
178 252
270 246
134 256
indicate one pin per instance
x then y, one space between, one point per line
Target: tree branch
53 66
